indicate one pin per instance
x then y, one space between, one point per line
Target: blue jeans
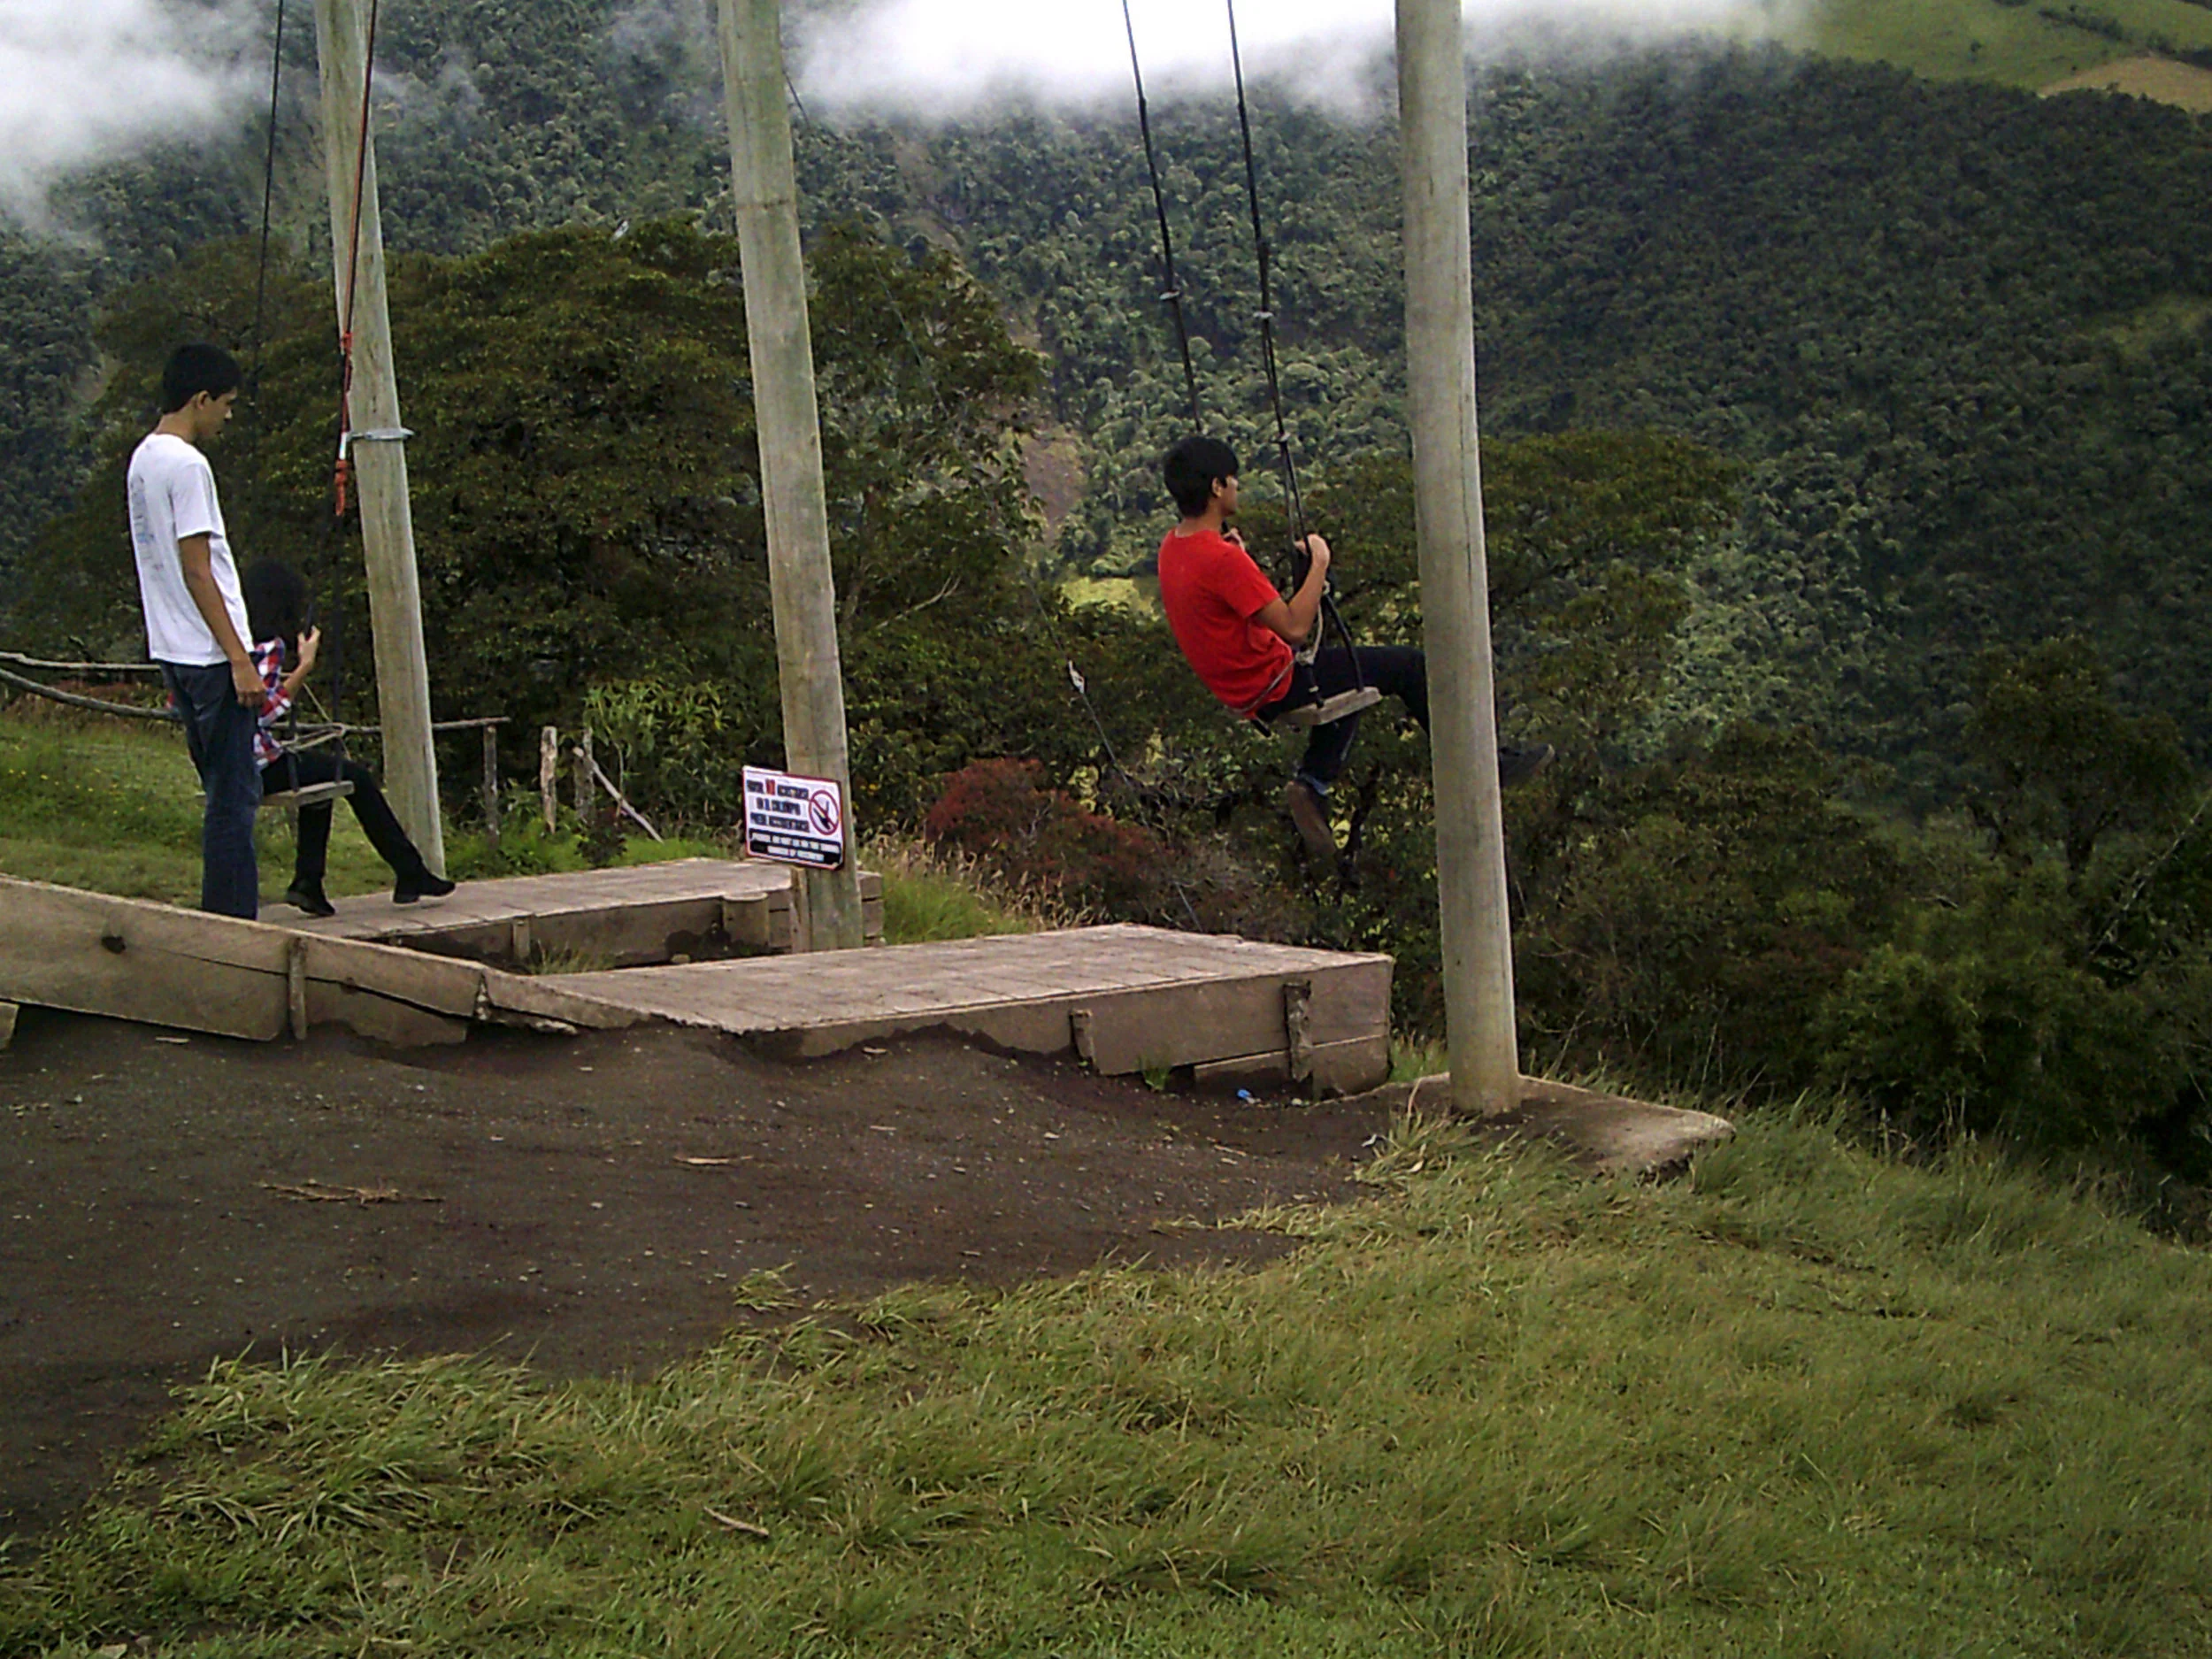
220 733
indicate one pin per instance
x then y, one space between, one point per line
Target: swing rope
353 268
1265 255
268 199
1171 291
1271 361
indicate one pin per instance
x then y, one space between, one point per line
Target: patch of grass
931 894
1410 1061
2023 44
1807 1402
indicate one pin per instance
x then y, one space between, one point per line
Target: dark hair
1190 468
276 602
192 370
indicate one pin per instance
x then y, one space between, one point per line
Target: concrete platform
1125 999
641 914
1608 1134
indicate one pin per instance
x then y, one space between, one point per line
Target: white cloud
85 81
943 57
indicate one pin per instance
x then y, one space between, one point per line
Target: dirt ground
587 1205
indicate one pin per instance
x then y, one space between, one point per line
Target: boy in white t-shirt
195 616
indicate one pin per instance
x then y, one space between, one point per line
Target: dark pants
378 822
1396 670
218 732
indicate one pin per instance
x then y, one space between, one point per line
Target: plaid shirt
268 656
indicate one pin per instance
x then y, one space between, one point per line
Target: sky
83 81
945 57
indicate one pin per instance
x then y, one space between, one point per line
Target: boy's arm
198 555
1293 619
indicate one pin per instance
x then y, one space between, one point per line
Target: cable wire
353 266
268 199
1172 292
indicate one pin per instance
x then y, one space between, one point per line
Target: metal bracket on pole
381 434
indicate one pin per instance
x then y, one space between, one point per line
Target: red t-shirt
1211 590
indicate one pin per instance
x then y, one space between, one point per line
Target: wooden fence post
550 774
587 804
491 787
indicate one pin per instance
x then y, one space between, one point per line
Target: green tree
2059 761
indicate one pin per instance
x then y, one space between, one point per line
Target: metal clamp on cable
375 434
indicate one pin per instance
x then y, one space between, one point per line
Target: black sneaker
307 896
1517 765
421 885
1310 814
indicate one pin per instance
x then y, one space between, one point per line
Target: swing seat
1329 710
306 795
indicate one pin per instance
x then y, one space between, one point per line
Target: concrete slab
1126 999
638 915
1609 1134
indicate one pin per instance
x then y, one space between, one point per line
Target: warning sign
796 821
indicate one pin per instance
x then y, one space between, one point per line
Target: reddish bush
995 811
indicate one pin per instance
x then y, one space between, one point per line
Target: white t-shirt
173 496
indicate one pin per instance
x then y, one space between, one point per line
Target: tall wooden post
379 451
803 594
1477 936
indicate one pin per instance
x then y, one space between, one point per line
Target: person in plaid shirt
276 605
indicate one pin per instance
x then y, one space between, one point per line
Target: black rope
1266 259
268 199
1284 459
1172 292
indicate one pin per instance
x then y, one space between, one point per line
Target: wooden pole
1478 935
766 196
549 775
491 787
587 803
379 457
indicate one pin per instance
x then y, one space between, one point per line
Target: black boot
307 896
420 884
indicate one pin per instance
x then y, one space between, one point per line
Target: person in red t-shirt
1239 633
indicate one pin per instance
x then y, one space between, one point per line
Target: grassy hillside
1810 1402
2017 42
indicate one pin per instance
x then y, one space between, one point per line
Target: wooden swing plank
1329 710
306 795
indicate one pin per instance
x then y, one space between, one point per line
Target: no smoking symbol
821 810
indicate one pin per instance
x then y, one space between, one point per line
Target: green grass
929 895
1982 40
95 804
1808 1404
